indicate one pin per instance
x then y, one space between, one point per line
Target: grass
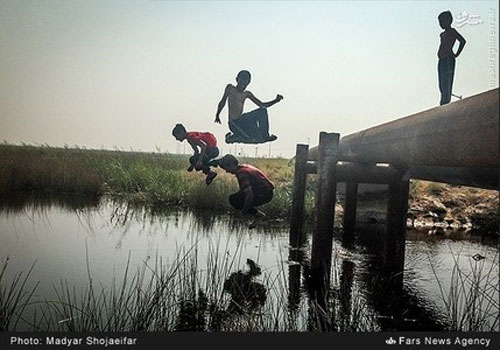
159 180
179 295
151 179
185 294
471 300
15 296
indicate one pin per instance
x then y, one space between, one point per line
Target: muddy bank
433 205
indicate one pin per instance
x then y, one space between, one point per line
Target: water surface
74 242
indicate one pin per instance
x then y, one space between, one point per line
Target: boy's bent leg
192 161
237 200
239 128
262 197
263 122
249 123
211 153
210 177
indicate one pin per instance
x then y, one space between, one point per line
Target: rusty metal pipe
463 134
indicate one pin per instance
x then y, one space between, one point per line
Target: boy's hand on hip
217 120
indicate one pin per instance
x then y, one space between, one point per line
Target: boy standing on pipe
255 187
446 64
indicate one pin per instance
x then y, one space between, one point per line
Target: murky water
69 242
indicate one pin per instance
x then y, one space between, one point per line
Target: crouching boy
205 149
255 187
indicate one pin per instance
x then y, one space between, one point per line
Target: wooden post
297 237
397 207
345 292
295 257
321 254
350 206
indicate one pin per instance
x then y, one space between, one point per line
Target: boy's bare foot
210 177
257 219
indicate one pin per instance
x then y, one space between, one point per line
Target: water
73 242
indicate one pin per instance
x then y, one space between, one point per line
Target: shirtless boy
446 64
252 126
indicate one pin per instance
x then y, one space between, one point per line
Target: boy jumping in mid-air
255 187
446 64
252 126
205 149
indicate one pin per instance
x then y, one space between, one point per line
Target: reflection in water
362 296
246 294
40 203
192 314
345 292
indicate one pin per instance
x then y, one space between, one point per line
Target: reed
471 300
189 293
15 296
151 179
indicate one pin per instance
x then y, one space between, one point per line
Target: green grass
151 179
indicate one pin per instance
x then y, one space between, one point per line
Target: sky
120 74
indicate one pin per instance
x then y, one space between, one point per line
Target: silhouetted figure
205 149
251 127
255 187
446 64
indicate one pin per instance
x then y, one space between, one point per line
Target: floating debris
478 257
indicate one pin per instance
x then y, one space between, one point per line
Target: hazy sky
123 73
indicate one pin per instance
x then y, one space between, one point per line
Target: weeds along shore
151 179
220 294
160 180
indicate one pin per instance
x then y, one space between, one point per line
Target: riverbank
158 180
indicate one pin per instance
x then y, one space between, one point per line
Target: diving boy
252 126
205 149
255 187
446 64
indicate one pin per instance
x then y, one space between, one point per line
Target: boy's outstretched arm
462 41
221 104
264 104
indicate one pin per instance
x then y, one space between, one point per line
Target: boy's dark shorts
260 197
210 153
246 125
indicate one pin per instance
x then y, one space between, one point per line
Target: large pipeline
463 134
